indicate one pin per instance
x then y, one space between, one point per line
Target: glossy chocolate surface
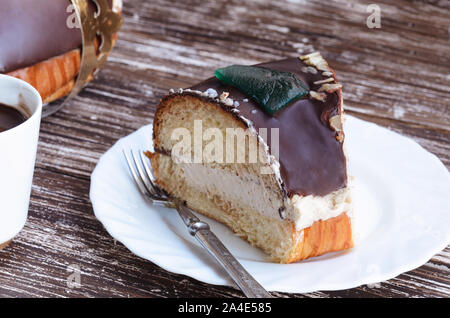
10 117
312 161
32 31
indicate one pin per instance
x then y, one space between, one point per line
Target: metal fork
142 174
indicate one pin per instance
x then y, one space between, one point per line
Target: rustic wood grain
397 76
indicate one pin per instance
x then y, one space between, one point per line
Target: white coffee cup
17 156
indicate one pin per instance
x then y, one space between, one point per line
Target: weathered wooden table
397 76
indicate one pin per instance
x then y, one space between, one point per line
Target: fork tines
142 174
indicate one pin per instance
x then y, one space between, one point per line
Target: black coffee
10 117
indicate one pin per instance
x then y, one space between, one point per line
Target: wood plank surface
397 76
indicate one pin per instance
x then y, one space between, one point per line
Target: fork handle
249 286
201 231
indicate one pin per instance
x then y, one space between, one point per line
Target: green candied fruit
272 90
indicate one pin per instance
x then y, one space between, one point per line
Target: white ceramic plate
402 218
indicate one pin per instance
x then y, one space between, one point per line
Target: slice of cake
260 149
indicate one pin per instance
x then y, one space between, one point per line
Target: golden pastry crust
53 78
322 237
3 245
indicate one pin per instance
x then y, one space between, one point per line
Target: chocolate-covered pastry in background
39 46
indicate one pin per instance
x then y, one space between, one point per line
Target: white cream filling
245 188
249 191
305 210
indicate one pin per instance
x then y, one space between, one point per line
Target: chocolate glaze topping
32 31
312 161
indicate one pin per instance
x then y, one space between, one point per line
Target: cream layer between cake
303 211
